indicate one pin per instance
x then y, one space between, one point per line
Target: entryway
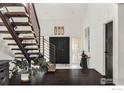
62 45
109 50
75 52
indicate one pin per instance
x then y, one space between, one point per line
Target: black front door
62 49
109 50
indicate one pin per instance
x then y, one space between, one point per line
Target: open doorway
109 50
76 52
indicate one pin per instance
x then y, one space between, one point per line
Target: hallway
34 34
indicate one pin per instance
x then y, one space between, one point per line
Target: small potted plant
24 70
41 62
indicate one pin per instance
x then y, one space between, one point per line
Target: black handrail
36 15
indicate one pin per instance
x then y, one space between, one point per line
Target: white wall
5 53
97 15
121 44
67 15
72 28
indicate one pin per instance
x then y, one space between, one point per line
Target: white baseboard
68 66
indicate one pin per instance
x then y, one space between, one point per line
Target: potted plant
13 69
21 67
41 62
24 70
51 66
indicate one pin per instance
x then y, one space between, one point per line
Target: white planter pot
25 77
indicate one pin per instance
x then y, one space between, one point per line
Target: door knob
105 52
108 52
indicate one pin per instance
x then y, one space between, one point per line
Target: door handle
106 52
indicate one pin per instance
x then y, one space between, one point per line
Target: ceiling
47 11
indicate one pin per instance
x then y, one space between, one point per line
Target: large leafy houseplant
18 66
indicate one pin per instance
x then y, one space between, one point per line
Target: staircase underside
17 29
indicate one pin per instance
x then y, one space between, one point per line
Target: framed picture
55 30
59 30
62 30
87 39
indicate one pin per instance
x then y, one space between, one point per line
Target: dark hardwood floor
72 77
63 77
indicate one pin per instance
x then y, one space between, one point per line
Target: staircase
20 28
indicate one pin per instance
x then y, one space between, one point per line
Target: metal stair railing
48 50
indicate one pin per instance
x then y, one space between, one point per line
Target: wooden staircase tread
27 44
18 24
31 53
25 49
24 31
2 24
23 38
16 14
12 4
18 32
21 23
24 57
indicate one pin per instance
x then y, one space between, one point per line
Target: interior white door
76 50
